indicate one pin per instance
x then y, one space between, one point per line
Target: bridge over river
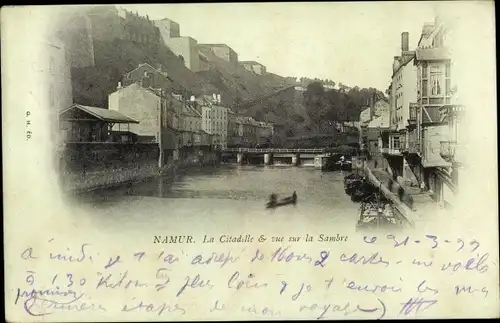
295 154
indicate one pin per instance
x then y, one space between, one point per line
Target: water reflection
232 198
253 183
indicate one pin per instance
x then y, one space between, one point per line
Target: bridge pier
239 158
268 159
296 160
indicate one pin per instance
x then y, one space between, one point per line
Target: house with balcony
428 139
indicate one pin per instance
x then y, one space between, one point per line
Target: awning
106 115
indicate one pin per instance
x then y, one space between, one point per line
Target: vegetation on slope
239 83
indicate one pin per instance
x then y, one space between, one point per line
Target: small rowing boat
274 202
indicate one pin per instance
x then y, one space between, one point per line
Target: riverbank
136 173
411 202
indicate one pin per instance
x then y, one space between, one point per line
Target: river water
229 198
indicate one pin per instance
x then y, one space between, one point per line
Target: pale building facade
150 109
184 47
403 95
222 51
215 121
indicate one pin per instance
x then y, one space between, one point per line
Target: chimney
218 98
214 96
119 85
192 99
404 41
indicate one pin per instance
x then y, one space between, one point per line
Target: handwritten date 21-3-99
428 240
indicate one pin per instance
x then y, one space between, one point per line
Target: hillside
269 97
118 46
240 84
283 108
118 42
116 56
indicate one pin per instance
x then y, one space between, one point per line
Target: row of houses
142 110
248 132
419 135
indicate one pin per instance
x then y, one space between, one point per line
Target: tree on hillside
344 104
314 101
336 105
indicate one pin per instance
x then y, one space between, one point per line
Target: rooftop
427 28
216 45
404 60
251 62
150 68
167 19
189 111
105 115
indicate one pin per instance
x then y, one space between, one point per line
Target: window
436 80
424 88
396 142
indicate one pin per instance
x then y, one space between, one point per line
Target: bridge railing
274 150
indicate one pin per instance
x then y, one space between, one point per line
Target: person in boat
294 197
273 198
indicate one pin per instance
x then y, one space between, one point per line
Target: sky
353 43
